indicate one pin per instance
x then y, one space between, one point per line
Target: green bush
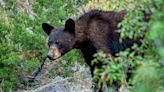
146 60
22 39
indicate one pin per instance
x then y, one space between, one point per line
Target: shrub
23 42
146 60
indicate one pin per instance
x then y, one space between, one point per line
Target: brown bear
93 31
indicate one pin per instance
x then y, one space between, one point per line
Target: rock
57 85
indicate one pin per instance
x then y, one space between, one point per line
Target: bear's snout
53 53
50 54
49 57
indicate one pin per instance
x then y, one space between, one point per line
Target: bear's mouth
54 58
50 58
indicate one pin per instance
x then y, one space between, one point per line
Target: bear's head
60 40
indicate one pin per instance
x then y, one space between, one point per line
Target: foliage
147 59
23 43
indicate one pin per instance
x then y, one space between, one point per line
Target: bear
91 32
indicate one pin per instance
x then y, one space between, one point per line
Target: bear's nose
49 57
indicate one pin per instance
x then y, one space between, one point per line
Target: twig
35 73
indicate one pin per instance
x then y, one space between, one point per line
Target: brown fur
96 26
98 23
93 31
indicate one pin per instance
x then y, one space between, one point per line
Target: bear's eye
57 42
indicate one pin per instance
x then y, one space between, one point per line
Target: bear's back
111 17
99 26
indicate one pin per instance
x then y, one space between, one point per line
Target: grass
23 41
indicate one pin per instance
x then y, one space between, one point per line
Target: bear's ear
70 26
47 28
